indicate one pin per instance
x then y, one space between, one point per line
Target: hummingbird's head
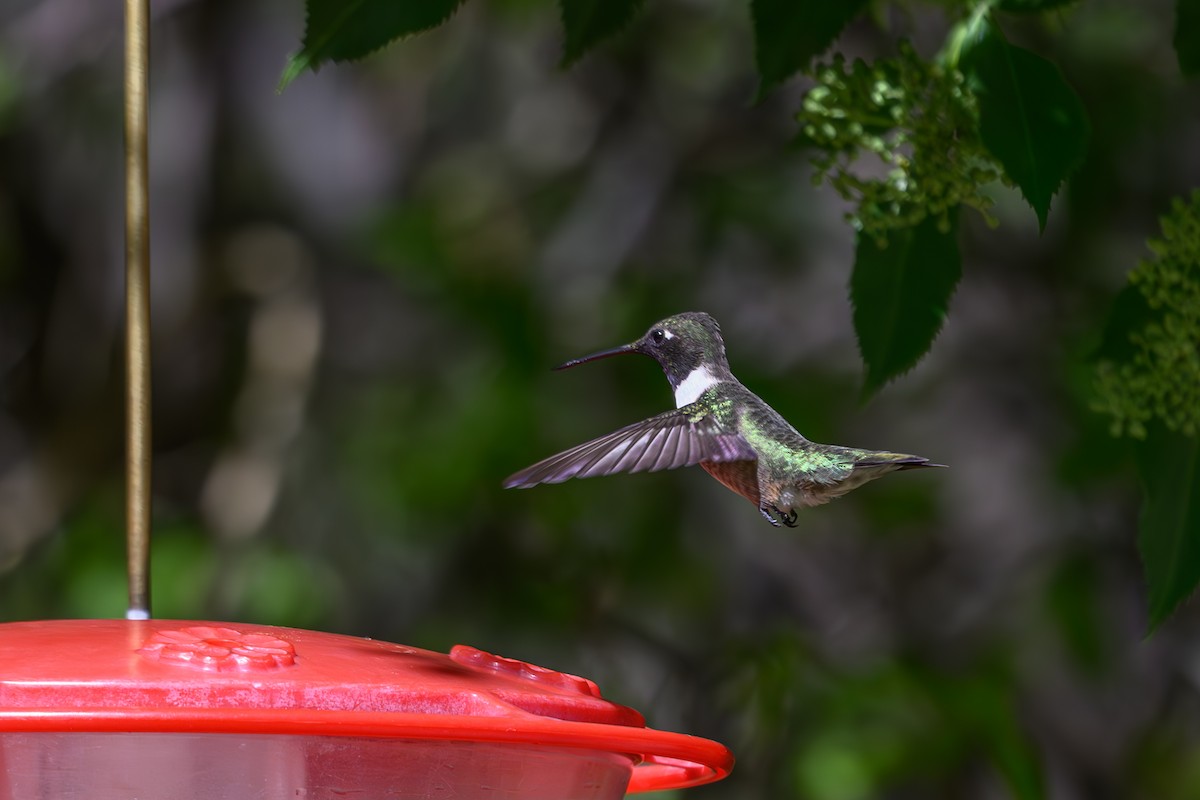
680 344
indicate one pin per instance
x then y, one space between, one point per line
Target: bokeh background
359 286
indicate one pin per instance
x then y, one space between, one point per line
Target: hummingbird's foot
776 517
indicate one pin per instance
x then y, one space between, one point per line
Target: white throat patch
695 384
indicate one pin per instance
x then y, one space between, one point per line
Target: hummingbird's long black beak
615 351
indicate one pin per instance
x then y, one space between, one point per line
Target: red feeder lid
164 676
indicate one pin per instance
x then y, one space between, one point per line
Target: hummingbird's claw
773 515
776 517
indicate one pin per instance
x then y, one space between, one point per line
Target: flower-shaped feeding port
522 670
219 649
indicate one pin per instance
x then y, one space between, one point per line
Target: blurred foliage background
359 286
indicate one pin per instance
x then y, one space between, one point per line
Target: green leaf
586 23
788 34
1029 118
345 30
900 292
1187 36
1169 528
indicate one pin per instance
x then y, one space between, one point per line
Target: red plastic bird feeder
167 709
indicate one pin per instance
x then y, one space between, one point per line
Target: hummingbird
721 425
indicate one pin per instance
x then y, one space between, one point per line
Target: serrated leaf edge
570 59
310 54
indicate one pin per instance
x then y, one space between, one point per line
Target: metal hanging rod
137 308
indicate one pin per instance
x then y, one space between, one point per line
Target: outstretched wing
677 438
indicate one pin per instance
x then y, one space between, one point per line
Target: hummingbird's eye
658 334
